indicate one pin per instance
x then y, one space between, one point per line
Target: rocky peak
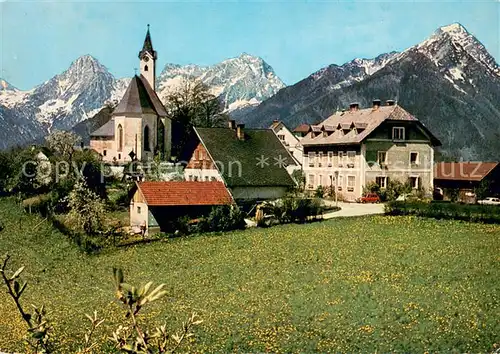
453 46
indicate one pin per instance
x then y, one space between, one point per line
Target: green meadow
344 285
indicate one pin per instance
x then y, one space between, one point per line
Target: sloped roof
303 128
259 156
276 125
107 130
366 119
184 193
140 98
463 171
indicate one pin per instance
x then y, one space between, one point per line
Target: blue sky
41 39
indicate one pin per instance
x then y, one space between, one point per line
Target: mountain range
78 94
449 81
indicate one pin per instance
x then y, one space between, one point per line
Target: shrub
319 192
222 218
371 187
440 210
299 210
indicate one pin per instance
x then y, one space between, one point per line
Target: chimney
353 106
390 102
240 131
232 124
376 104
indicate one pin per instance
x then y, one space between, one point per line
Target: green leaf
17 273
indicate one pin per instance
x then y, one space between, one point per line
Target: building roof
140 98
258 160
463 171
147 46
303 128
276 125
107 130
184 193
365 121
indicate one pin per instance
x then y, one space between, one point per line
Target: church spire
148 46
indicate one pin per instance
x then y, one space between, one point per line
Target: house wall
291 143
258 193
200 166
397 165
105 147
139 210
320 169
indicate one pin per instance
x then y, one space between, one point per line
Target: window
331 180
351 183
414 181
381 181
138 210
213 179
206 178
341 157
310 157
195 178
146 139
330 158
146 68
414 158
190 177
351 155
320 158
119 156
340 182
310 182
104 152
281 137
320 180
382 157
120 137
398 133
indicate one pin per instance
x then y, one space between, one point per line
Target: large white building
139 126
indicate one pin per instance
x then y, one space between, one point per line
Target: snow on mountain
82 90
243 81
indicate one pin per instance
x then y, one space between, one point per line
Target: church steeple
147 58
147 46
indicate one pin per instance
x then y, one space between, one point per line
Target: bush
299 210
465 212
222 218
319 192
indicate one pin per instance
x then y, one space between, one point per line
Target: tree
483 190
193 105
63 144
87 210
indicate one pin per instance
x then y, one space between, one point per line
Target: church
139 127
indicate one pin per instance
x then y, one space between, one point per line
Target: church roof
107 130
148 46
140 98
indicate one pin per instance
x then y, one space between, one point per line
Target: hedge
489 214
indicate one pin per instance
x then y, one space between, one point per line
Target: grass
360 284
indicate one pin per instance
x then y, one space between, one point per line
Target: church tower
148 57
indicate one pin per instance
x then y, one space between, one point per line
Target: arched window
146 139
120 138
146 68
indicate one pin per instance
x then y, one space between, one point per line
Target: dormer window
146 68
398 133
